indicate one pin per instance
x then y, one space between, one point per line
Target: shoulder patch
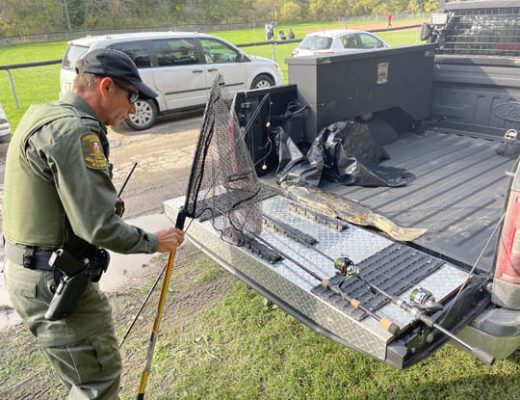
93 151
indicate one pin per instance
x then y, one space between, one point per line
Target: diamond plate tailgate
394 266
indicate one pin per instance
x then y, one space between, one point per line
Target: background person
58 193
268 31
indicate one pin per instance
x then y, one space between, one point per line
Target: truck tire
144 117
262 81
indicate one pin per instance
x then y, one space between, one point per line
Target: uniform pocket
29 293
20 281
94 359
107 352
25 289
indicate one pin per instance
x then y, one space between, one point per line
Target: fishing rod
383 322
346 267
421 297
127 179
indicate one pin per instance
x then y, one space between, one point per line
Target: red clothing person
389 20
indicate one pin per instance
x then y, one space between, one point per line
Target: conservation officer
58 195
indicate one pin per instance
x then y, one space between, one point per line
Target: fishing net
223 182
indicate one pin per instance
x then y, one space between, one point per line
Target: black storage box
346 86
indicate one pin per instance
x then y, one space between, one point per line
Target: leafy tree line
22 17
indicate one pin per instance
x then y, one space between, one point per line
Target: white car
337 41
179 66
5 128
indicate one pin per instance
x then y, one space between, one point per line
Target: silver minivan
179 66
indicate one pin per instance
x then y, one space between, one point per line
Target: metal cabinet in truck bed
447 112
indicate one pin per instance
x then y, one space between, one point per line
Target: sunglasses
133 95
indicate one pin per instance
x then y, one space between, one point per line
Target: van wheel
262 82
144 117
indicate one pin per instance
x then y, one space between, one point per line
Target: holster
72 276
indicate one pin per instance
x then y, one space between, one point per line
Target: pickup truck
448 112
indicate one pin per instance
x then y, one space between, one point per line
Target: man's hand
169 239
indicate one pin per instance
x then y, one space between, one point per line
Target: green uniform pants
82 348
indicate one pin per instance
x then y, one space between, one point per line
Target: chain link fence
66 36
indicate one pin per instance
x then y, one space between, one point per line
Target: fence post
13 89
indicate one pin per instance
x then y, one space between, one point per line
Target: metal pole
273 55
13 89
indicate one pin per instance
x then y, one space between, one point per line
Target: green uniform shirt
64 164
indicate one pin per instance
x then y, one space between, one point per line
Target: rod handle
389 326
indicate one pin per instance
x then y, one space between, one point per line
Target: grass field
41 84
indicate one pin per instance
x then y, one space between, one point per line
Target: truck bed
458 194
395 267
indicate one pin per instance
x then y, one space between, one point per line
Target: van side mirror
426 31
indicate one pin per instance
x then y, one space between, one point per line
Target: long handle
181 218
482 355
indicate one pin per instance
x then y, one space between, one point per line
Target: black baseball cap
115 64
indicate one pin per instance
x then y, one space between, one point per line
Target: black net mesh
223 181
482 32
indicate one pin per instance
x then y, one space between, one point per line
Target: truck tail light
506 285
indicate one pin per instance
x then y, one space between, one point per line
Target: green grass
41 84
244 348
33 85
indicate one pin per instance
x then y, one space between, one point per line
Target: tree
19 17
290 12
326 10
431 5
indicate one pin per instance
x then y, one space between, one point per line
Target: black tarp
342 152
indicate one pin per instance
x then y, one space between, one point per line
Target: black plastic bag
343 152
352 157
293 166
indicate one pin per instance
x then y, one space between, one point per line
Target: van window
216 51
72 55
175 52
137 51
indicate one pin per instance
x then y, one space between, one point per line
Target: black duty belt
31 257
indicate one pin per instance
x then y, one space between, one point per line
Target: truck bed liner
458 195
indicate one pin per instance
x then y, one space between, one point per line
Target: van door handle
212 70
197 71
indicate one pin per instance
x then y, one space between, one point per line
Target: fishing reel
346 266
425 300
